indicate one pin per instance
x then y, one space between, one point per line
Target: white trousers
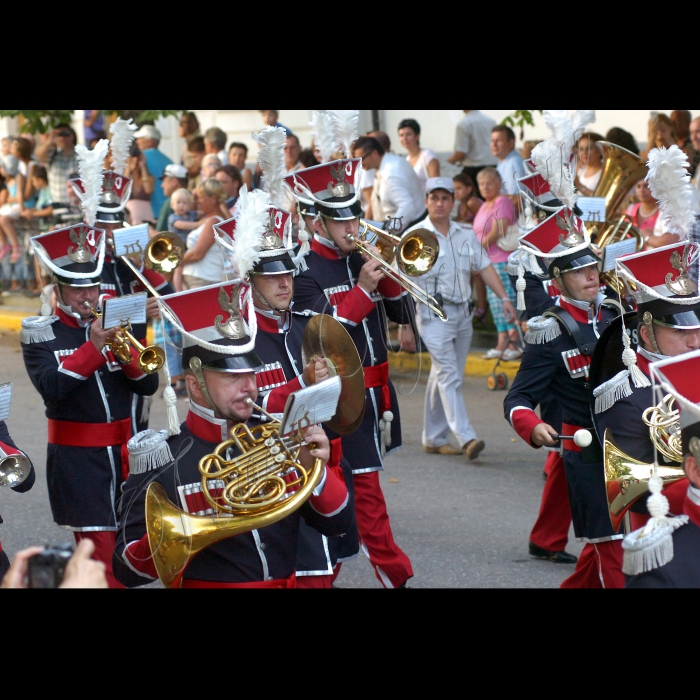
448 344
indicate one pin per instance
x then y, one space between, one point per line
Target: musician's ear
194 390
692 470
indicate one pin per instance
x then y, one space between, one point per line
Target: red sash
376 377
570 445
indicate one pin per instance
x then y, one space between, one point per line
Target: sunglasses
65 133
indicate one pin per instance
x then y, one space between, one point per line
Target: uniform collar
691 507
582 311
204 425
325 248
269 322
645 358
70 319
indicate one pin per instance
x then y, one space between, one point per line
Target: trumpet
14 469
415 254
264 485
151 359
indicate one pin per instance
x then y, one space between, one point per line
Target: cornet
151 359
14 469
415 255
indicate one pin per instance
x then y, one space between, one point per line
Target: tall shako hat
334 187
652 547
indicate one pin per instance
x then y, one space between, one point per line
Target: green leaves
41 120
520 118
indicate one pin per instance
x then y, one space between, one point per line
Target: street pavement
463 525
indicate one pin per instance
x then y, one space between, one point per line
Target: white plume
669 182
272 162
567 125
552 161
122 137
345 123
90 164
323 134
252 219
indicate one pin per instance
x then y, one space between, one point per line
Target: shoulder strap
572 327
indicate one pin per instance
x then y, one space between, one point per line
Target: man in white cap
174 177
148 139
449 342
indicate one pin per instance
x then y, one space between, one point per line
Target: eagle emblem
682 286
79 254
234 328
339 187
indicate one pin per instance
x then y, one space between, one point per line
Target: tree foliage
41 120
520 118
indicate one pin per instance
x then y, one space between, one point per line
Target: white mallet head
583 438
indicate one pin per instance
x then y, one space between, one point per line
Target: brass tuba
261 487
164 252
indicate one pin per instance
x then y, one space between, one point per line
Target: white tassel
148 451
46 309
521 286
541 330
608 394
385 431
629 357
170 398
304 250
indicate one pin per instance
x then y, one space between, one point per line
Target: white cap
148 132
178 171
439 183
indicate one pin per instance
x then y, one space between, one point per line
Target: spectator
230 178
11 211
292 151
681 119
695 138
189 128
422 160
184 216
622 138
21 148
473 143
196 150
270 117
5 144
211 164
308 159
237 156
174 178
528 148
139 205
590 164
661 134
383 138
491 223
203 264
148 139
93 126
511 166
215 142
42 208
646 211
397 193
468 204
57 153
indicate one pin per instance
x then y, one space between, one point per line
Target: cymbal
325 337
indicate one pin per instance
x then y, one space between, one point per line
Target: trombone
151 359
415 254
163 254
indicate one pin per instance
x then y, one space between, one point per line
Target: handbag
510 242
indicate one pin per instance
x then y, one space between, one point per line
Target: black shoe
555 557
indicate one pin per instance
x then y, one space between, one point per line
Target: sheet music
5 399
130 308
616 250
311 406
593 208
131 241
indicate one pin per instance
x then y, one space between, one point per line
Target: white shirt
397 191
474 139
223 157
421 167
511 169
460 254
211 266
592 182
661 228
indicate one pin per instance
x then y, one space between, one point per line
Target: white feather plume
122 137
90 164
272 162
345 122
323 134
669 182
252 219
553 162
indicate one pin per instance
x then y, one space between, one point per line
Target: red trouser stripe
551 531
375 531
599 566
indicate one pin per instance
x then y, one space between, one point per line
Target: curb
477 366
11 321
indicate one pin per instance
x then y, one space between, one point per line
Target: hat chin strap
196 367
649 325
325 230
264 301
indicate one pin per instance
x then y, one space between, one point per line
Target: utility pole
376 126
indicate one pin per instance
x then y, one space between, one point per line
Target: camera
46 570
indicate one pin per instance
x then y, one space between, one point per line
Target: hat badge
233 329
573 237
682 286
339 187
79 254
271 240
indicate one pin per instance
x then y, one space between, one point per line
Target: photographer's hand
82 571
16 577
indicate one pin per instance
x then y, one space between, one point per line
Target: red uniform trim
85 361
324 251
390 289
205 430
524 422
10 451
89 434
334 496
643 364
277 398
140 558
378 377
154 279
580 315
66 319
280 583
132 371
570 445
355 306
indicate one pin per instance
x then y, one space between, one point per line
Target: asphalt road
463 525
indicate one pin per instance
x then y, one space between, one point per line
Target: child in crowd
184 218
12 209
5 144
44 203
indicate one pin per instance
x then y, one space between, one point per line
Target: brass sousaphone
266 483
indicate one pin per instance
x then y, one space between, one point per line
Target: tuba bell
264 485
164 252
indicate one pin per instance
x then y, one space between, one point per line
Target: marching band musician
555 362
682 568
220 366
665 327
87 393
25 481
354 290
